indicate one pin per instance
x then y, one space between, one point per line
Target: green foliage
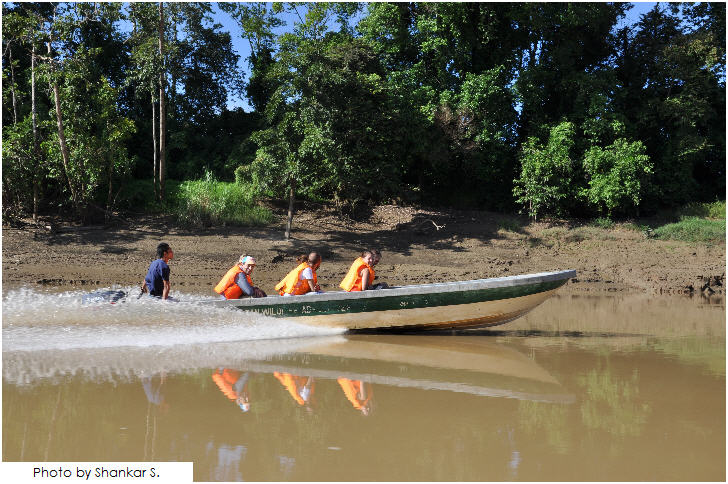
674 99
604 223
209 202
547 172
637 227
693 229
433 103
713 210
616 175
17 163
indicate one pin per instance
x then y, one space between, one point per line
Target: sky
241 47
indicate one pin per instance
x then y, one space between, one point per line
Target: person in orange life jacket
358 393
302 279
156 282
234 386
376 257
300 387
360 275
237 283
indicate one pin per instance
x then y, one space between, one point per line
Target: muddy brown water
583 388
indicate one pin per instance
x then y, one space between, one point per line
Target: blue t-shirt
158 272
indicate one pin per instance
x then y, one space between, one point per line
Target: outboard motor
102 296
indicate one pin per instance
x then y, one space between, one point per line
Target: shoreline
419 246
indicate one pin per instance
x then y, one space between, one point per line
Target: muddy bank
419 246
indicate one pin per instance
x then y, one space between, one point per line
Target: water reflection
299 387
234 385
358 393
551 399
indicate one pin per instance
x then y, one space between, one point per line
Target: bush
617 175
602 222
138 196
714 210
545 184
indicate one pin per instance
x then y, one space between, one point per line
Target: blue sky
243 50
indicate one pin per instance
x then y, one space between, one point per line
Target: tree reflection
539 418
612 403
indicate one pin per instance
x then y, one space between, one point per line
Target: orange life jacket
351 390
225 382
292 283
293 384
352 280
227 286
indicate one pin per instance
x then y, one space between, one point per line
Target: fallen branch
437 227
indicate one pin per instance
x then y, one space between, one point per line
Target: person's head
247 263
367 256
313 259
376 256
164 251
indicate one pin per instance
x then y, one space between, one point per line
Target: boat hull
465 304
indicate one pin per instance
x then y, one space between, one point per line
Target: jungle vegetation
543 108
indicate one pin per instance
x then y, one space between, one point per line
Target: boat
450 305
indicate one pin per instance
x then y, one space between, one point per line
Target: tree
673 98
547 172
296 148
565 61
22 26
257 22
90 130
616 176
146 68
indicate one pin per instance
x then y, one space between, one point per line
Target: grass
210 202
510 225
205 202
713 210
602 222
692 229
696 222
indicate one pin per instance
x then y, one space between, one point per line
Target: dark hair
311 258
364 253
161 249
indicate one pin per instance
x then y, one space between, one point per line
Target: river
583 388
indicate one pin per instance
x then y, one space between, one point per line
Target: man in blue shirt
156 281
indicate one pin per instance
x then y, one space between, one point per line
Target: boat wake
34 320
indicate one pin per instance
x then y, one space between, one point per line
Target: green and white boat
451 305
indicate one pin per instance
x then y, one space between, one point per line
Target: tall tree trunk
62 140
109 195
36 141
172 105
12 86
291 199
162 113
155 162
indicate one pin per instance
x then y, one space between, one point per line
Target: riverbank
418 245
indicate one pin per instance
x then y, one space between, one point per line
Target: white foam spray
34 320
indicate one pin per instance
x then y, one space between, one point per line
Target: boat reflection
474 365
357 363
